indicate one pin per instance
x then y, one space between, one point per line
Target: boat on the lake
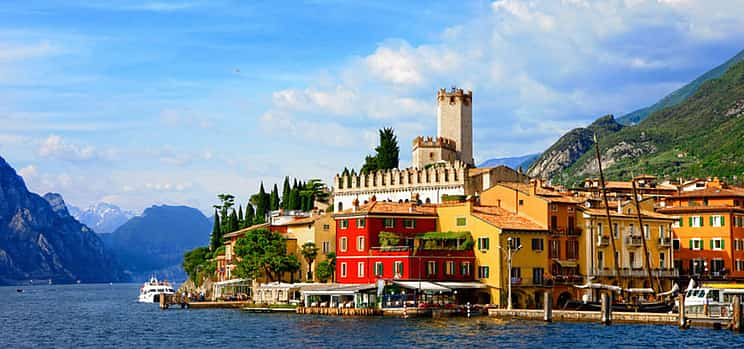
151 290
713 300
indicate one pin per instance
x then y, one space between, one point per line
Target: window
483 243
326 247
360 269
361 222
717 244
677 223
326 226
697 265
516 273
739 245
466 268
661 232
600 259
696 244
554 222
631 259
717 221
398 266
555 249
515 243
662 260
675 244
572 249
716 265
537 275
431 268
344 242
696 221
740 265
571 224
483 272
521 202
449 268
389 223
461 222
344 224
537 244
646 232
409 223
343 270
599 229
553 207
378 269
615 231
360 243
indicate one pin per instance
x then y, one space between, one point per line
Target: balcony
634 240
575 231
665 242
603 241
638 273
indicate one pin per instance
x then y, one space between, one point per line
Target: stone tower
455 121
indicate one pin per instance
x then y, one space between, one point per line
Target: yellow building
490 227
629 240
319 229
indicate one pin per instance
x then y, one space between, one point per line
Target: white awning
461 285
600 286
640 290
337 289
422 285
233 282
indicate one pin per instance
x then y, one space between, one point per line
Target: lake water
108 316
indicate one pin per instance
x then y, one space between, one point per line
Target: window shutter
711 221
711 244
690 220
723 244
723 223
480 245
690 244
701 221
701 244
680 222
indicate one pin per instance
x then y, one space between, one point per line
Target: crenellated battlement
454 95
431 142
436 175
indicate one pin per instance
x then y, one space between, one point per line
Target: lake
109 316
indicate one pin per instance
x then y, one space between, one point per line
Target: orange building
708 232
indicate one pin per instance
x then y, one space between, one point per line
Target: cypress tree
274 200
216 237
388 152
240 216
285 193
261 205
250 216
294 199
233 223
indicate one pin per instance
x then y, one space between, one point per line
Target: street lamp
509 254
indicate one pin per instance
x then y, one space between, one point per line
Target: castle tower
455 121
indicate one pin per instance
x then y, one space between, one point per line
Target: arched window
428 200
340 206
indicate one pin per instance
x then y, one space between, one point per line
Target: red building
398 241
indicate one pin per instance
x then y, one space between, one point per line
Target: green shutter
488 243
701 244
723 221
680 222
480 247
711 244
723 244
711 221
690 220
690 241
701 221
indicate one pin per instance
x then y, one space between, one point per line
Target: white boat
151 290
712 300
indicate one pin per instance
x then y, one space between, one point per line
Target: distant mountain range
102 217
694 132
515 162
39 240
154 243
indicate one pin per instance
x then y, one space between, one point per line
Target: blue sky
147 102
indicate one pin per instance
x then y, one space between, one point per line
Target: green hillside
679 95
702 136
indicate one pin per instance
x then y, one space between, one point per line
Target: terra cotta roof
394 208
504 219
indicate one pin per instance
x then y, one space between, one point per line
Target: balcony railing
634 240
665 242
603 241
638 273
391 248
575 231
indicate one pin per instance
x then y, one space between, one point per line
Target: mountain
681 94
513 162
156 241
39 240
570 147
102 217
700 137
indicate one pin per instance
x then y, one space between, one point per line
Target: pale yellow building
319 229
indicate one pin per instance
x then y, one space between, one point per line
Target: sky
137 102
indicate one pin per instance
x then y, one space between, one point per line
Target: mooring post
606 310
736 317
681 311
548 306
468 309
163 301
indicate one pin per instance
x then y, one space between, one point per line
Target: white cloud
29 172
185 118
10 52
525 12
56 147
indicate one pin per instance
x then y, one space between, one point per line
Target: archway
563 298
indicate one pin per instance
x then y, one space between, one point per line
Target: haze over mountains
102 217
39 240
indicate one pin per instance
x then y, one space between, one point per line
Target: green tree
198 264
215 240
240 216
261 205
285 193
327 268
250 216
227 201
387 153
290 264
234 225
274 199
309 251
295 202
262 253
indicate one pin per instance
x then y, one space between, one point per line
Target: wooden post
736 317
548 306
606 310
682 317
163 301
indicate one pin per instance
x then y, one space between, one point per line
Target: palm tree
309 252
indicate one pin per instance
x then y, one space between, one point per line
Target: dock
339 311
168 301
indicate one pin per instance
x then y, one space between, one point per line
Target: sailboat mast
646 264
615 255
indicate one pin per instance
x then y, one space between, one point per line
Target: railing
567 279
603 241
634 240
391 248
665 242
638 273
575 231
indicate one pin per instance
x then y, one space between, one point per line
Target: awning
336 290
566 264
640 290
233 282
422 285
600 286
461 285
